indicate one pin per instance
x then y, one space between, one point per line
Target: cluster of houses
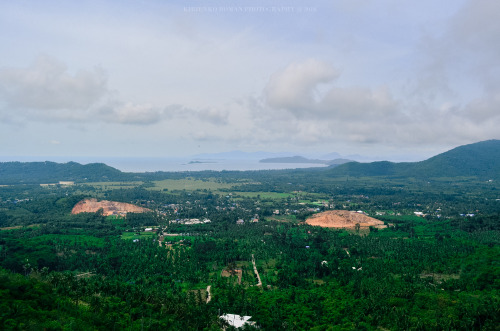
190 221
255 219
61 183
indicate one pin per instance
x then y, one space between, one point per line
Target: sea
177 165
152 164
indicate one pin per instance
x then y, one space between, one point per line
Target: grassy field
115 219
143 235
189 184
282 218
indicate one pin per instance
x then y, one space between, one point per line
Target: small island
200 162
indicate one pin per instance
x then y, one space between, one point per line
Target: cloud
130 113
359 104
475 28
456 93
47 91
295 87
483 109
212 115
289 110
46 85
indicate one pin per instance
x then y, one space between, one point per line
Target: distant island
197 162
301 159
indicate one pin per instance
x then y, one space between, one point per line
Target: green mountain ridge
52 172
480 160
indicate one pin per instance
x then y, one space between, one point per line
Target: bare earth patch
343 219
108 207
229 273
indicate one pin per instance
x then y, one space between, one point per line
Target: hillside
52 172
480 160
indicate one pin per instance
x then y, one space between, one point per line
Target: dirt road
256 271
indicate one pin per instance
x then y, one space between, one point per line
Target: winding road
256 272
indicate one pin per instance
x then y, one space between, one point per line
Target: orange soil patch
343 219
108 207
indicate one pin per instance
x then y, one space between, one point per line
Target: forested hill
480 160
52 172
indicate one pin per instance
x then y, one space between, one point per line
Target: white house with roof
237 321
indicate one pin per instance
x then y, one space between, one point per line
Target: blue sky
393 78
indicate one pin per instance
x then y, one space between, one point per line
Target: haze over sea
159 164
151 164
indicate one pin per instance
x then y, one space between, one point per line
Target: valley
289 249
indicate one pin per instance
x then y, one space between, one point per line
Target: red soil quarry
343 219
108 207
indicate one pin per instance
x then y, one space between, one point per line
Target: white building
237 321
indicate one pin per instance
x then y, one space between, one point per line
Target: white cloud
173 77
359 104
47 91
295 88
484 109
130 113
366 115
214 116
46 85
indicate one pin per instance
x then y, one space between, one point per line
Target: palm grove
438 270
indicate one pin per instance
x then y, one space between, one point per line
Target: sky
396 79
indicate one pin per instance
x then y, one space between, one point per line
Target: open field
282 218
189 184
113 185
142 235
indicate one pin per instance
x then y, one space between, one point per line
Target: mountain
331 156
52 172
480 160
